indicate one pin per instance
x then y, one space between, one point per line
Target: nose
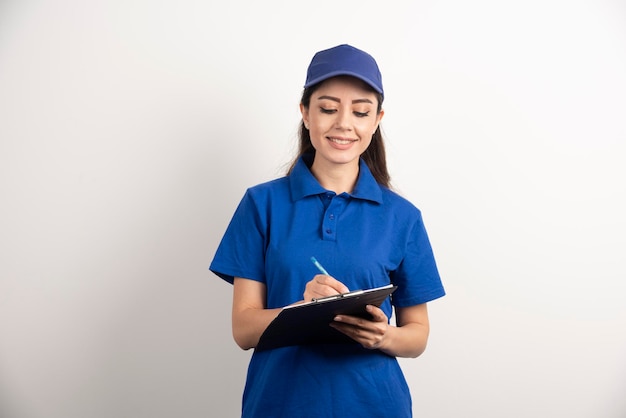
343 120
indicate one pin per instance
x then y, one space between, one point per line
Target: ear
305 115
379 117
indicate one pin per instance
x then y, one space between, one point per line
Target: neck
338 178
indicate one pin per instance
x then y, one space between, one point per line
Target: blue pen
319 266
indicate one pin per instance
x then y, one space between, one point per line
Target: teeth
340 141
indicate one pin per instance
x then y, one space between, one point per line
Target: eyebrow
335 99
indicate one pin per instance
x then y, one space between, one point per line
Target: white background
129 130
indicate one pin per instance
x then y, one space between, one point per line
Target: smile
340 141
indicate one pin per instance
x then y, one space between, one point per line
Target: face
341 120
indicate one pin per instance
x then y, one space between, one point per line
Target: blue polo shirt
369 238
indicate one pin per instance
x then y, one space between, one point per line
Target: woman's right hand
321 286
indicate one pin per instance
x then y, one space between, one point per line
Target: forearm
409 340
249 324
249 316
410 337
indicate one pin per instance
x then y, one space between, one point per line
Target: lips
340 141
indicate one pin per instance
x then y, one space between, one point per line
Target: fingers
377 316
322 285
332 283
369 333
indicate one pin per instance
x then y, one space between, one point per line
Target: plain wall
129 130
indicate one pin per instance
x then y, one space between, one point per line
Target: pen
319 266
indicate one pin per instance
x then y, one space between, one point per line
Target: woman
334 204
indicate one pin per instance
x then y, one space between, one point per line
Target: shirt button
329 231
331 217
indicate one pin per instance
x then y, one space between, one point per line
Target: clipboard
308 323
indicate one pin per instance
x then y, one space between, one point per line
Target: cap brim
338 73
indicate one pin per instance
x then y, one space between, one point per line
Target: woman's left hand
370 333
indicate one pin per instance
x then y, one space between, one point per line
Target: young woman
335 204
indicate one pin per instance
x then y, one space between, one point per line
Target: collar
302 182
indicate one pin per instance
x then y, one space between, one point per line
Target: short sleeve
417 275
241 252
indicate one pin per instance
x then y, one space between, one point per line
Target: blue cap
344 60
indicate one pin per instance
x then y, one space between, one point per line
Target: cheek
315 134
314 130
367 129
317 127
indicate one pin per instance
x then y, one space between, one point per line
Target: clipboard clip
339 296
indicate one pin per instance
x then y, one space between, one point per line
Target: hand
371 333
321 286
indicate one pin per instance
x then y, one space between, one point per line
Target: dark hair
374 156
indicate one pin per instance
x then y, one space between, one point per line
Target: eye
361 114
327 111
